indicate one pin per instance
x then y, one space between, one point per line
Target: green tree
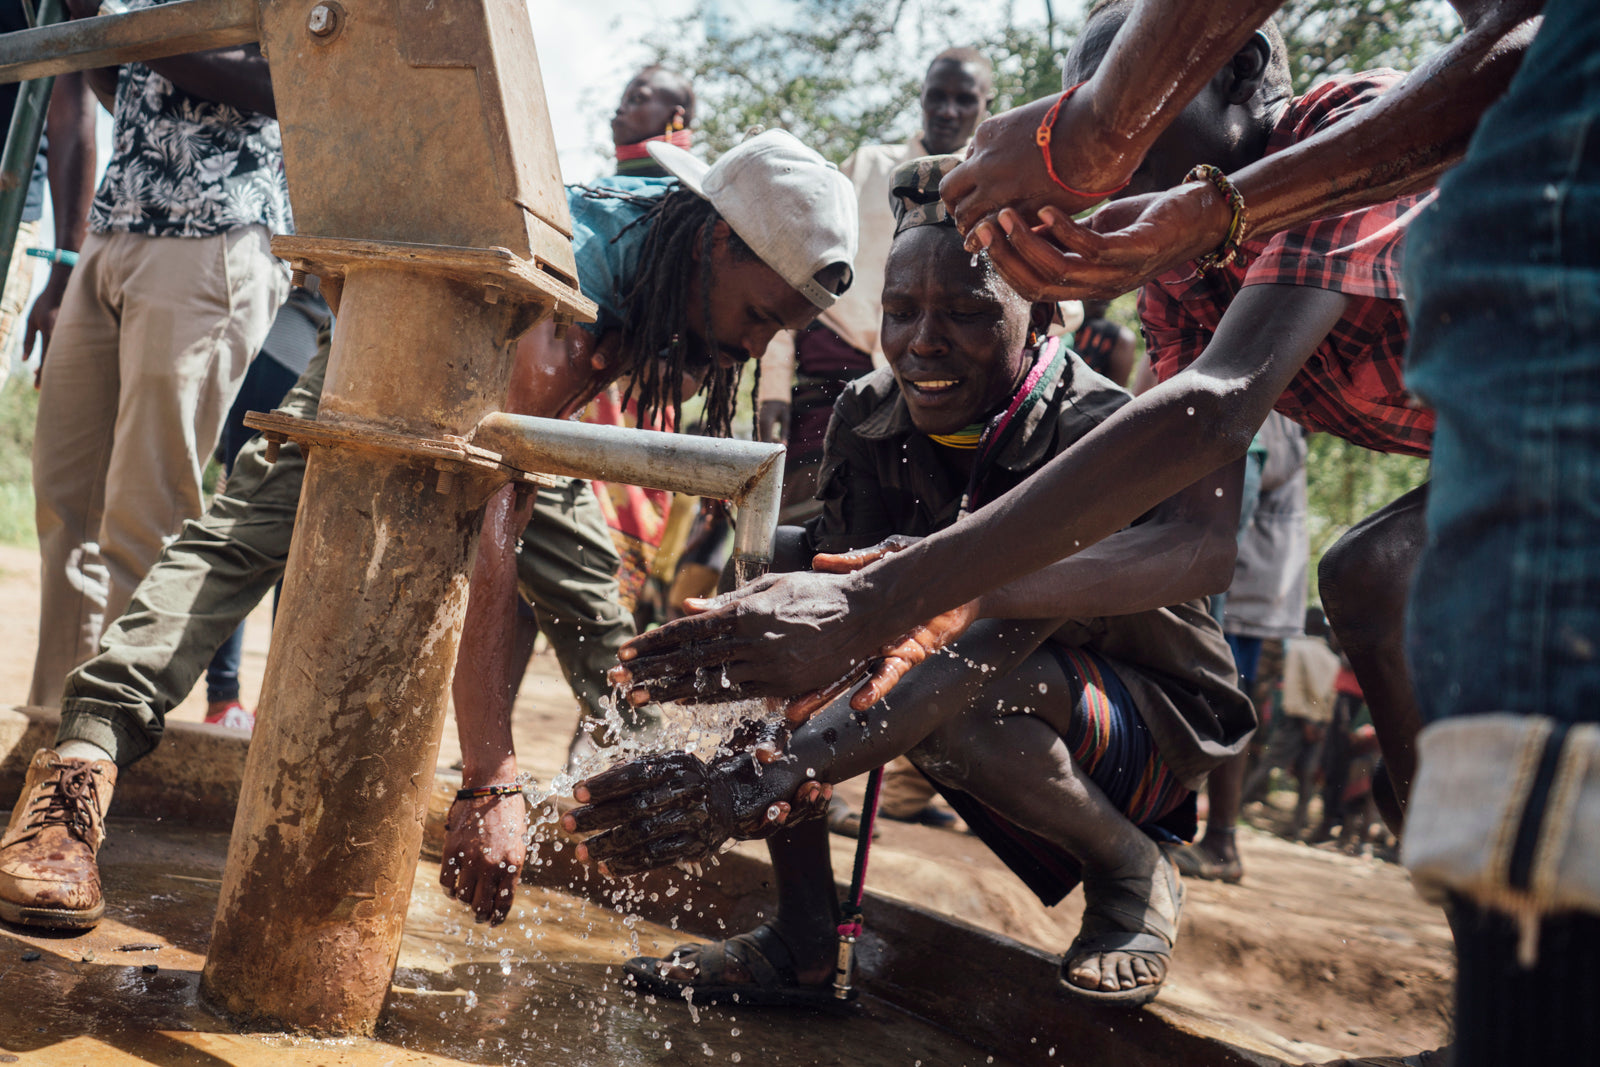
1328 37
840 73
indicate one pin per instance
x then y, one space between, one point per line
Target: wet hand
1005 168
674 808
485 846
781 635
1113 251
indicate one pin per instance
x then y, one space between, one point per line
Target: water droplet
1219 490
1190 411
1043 688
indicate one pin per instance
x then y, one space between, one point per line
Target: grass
19 406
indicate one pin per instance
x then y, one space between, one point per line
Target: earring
1033 336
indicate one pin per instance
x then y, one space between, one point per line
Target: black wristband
474 792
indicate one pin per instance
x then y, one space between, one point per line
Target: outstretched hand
778 636
884 671
673 808
485 845
1113 251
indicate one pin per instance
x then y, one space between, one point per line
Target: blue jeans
1503 280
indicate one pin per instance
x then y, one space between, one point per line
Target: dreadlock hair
655 346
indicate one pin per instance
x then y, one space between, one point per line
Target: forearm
237 76
1164 53
838 744
70 126
1172 437
482 688
1157 445
1141 568
1405 139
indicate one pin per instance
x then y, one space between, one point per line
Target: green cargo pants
224 563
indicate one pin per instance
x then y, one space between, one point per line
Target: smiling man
1070 722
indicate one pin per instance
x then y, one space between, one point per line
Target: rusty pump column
422 128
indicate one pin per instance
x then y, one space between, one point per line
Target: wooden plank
110 40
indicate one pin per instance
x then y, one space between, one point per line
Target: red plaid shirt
1353 385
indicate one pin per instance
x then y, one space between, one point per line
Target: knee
939 757
1363 580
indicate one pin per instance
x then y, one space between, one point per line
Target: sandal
763 954
1121 915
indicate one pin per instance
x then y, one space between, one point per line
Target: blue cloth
1503 281
1247 657
605 242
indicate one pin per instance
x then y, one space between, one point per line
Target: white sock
76 749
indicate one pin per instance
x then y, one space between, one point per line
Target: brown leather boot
48 875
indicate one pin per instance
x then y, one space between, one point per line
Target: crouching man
1075 715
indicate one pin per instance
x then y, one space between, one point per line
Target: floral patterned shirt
182 166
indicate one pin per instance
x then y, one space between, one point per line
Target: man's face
750 303
955 98
648 106
953 335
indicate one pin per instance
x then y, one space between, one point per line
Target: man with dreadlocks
1067 727
692 276
691 280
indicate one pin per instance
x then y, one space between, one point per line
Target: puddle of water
541 989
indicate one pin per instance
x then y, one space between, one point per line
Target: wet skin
954 337
556 378
1165 55
651 102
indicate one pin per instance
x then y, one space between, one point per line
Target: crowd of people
1055 606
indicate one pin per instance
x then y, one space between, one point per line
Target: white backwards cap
792 207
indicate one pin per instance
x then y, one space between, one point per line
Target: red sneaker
230 713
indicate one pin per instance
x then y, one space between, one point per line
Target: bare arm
1185 549
70 126
236 76
1398 145
1150 450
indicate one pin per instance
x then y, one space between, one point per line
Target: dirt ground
1327 952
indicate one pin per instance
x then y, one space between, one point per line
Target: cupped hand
485 846
778 636
1113 251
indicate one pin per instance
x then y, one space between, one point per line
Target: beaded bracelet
1041 137
1228 251
488 791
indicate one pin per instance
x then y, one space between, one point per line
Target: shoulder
1330 102
1087 396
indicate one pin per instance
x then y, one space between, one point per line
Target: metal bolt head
322 20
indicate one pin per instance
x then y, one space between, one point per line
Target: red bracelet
1041 137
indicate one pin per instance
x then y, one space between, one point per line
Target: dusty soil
1326 952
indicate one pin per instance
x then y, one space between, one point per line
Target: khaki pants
154 336
567 569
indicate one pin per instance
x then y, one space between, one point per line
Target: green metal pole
22 146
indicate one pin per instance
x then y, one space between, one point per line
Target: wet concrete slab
541 989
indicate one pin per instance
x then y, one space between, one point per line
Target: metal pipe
111 40
746 472
22 146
